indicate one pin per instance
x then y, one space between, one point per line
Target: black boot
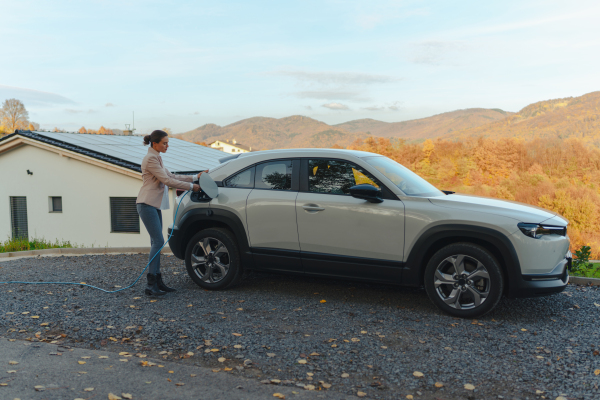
161 284
152 289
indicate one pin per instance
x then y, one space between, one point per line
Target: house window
55 203
123 215
18 217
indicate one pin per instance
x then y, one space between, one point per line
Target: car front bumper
542 284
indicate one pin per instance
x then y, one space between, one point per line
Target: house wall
85 190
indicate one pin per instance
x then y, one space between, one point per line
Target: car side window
274 175
244 179
336 177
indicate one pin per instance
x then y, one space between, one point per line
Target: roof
238 145
129 151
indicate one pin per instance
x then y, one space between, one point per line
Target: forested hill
561 118
430 127
300 131
262 133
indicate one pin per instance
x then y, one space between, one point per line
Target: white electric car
363 216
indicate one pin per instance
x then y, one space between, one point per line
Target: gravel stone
549 344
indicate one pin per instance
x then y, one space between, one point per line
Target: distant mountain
299 131
271 133
430 127
559 118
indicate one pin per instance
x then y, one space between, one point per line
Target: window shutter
123 215
18 217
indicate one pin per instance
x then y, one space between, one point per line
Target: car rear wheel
212 259
464 280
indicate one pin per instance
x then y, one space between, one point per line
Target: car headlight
536 231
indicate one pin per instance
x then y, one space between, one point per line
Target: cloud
374 108
395 106
330 95
335 106
73 111
336 78
109 105
31 97
432 52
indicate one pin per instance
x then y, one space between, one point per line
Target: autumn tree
83 130
13 115
169 131
33 126
102 131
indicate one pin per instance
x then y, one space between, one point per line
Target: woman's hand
196 187
201 173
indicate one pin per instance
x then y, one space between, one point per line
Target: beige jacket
155 176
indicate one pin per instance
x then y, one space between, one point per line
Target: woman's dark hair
155 137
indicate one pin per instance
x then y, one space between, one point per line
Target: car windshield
406 180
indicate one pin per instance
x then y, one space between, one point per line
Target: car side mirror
366 192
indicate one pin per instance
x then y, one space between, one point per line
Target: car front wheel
212 259
464 280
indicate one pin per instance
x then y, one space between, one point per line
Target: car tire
464 280
212 259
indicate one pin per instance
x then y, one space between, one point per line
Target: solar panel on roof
181 156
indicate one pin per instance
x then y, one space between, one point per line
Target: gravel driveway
375 341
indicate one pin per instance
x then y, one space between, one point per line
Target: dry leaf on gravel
302 361
361 394
323 301
439 384
127 396
309 387
270 354
326 385
13 362
88 389
345 375
409 396
222 359
81 362
418 374
39 388
468 386
597 372
114 397
179 384
12 371
237 334
279 395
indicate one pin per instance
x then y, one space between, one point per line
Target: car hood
512 209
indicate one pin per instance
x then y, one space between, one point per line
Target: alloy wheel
210 260
462 282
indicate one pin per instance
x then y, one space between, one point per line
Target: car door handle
312 208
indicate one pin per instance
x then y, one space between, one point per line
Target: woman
154 197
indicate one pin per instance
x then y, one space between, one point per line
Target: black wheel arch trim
213 217
441 235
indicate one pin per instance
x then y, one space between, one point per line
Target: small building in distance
232 147
82 188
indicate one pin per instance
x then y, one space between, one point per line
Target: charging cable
104 290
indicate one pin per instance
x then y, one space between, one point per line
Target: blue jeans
152 219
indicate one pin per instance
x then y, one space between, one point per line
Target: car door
344 236
271 216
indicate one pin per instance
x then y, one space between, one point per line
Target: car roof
239 161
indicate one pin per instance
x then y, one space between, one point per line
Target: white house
234 147
82 188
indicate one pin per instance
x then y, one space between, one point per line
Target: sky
184 64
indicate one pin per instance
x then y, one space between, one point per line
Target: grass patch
593 271
23 244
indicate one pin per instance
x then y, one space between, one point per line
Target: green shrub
582 265
23 244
